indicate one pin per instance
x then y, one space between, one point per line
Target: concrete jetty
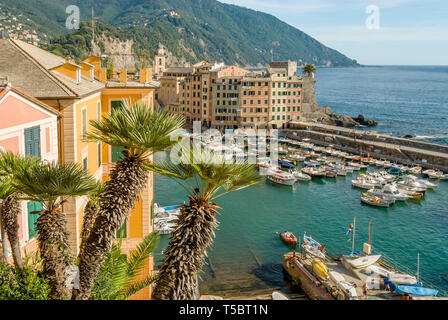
380 146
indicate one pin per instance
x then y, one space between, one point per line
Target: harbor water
247 252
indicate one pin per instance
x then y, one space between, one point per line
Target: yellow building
75 91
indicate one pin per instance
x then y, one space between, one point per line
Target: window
84 123
98 110
85 163
32 141
99 154
116 151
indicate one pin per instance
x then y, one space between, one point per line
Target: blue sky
411 32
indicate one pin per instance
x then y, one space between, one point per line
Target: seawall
379 146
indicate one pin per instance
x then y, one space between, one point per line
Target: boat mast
418 267
353 241
369 232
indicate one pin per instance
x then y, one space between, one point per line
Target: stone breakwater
380 146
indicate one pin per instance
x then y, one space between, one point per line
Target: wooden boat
288 237
362 184
320 269
277 295
363 261
375 201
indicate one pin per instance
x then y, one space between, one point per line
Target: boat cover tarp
417 291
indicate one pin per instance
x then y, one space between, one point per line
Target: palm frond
11 162
138 256
46 182
138 285
215 172
6 188
136 128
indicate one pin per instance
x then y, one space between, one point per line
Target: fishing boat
313 172
433 174
277 295
375 201
320 269
411 192
389 191
331 173
363 261
301 176
407 181
288 237
368 160
313 247
286 164
362 184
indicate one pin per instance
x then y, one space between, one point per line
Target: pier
368 143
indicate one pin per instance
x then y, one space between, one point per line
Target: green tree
205 176
118 278
52 184
309 69
140 132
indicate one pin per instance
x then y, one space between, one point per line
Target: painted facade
27 127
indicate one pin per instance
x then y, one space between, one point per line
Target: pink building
27 127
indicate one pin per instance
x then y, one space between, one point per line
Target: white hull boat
281 177
363 261
277 295
362 184
402 278
301 176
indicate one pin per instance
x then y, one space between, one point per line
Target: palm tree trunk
4 253
9 213
127 179
90 214
54 251
186 251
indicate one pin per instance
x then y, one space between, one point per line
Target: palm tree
90 214
118 278
205 176
309 69
52 184
10 163
141 132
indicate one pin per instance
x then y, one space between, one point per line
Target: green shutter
116 151
32 141
32 218
122 232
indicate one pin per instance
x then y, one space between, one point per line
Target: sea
246 257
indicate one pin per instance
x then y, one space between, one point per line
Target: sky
374 32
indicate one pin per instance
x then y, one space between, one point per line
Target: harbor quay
380 146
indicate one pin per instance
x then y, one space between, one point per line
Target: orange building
81 92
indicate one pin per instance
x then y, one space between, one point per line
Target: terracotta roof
179 70
9 88
28 68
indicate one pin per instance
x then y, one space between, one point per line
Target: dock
379 146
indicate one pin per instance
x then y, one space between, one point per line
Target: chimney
123 75
145 75
67 60
102 75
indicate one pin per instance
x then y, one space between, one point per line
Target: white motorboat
301 176
409 182
280 177
402 278
429 185
444 177
433 174
313 172
277 295
362 184
415 170
362 261
164 227
389 191
313 247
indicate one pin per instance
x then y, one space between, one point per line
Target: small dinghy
301 176
402 278
364 261
375 201
346 287
277 295
288 237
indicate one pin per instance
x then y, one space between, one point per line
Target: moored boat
363 261
288 237
375 201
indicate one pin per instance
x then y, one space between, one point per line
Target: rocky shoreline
345 121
